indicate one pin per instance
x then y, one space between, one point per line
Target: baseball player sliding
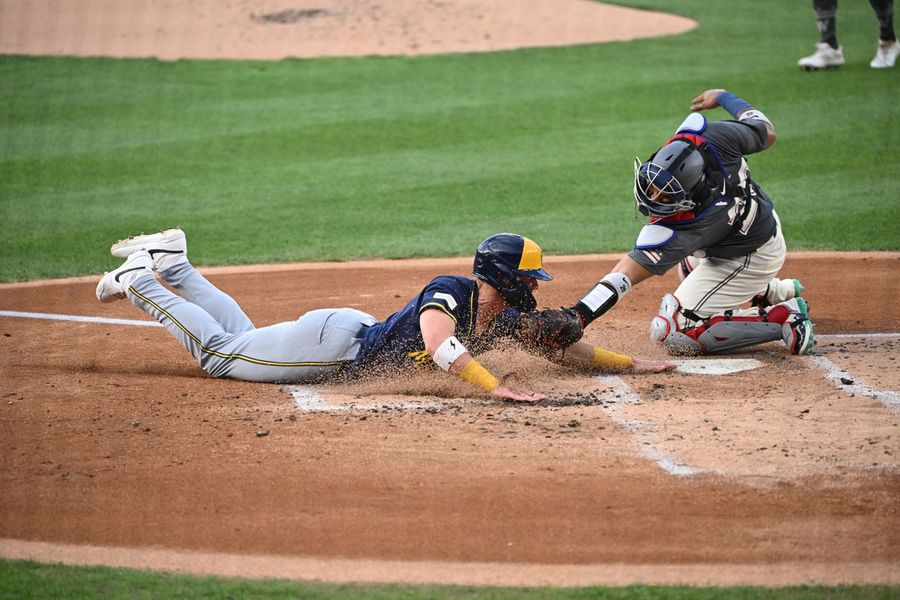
708 217
452 319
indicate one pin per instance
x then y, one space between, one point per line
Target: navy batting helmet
665 185
502 260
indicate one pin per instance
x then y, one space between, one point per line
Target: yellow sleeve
606 360
474 373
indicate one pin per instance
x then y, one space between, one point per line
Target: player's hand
501 391
707 100
642 365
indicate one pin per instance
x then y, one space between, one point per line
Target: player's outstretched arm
737 107
584 356
451 356
603 296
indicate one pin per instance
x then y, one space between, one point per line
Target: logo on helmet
502 260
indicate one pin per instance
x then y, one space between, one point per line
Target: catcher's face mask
665 184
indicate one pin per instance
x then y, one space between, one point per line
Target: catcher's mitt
550 329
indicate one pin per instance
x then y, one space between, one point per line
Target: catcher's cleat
798 335
113 285
167 248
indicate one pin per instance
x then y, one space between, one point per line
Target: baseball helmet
502 260
665 184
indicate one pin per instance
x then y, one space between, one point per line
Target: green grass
336 159
26 579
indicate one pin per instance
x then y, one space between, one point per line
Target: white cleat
167 248
113 285
825 57
886 55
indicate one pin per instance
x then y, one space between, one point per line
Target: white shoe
114 283
824 57
167 248
886 55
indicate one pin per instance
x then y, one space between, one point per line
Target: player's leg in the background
826 18
888 46
828 51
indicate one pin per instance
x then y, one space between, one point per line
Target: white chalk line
78 318
834 336
834 374
642 430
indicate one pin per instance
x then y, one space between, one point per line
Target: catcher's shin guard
725 336
664 329
665 322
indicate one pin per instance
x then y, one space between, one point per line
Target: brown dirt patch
112 436
271 30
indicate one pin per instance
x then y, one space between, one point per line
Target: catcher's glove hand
550 329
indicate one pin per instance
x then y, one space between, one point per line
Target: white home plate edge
716 366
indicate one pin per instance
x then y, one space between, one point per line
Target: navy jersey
729 224
397 341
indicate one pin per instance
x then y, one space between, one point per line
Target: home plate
716 366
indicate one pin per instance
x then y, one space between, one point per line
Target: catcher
452 319
710 218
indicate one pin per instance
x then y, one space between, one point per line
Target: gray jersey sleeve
662 249
734 139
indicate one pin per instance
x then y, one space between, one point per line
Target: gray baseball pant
217 332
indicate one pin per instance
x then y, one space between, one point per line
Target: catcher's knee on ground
787 321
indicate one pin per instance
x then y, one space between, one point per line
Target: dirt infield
113 437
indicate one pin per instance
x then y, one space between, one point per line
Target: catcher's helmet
666 184
502 260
